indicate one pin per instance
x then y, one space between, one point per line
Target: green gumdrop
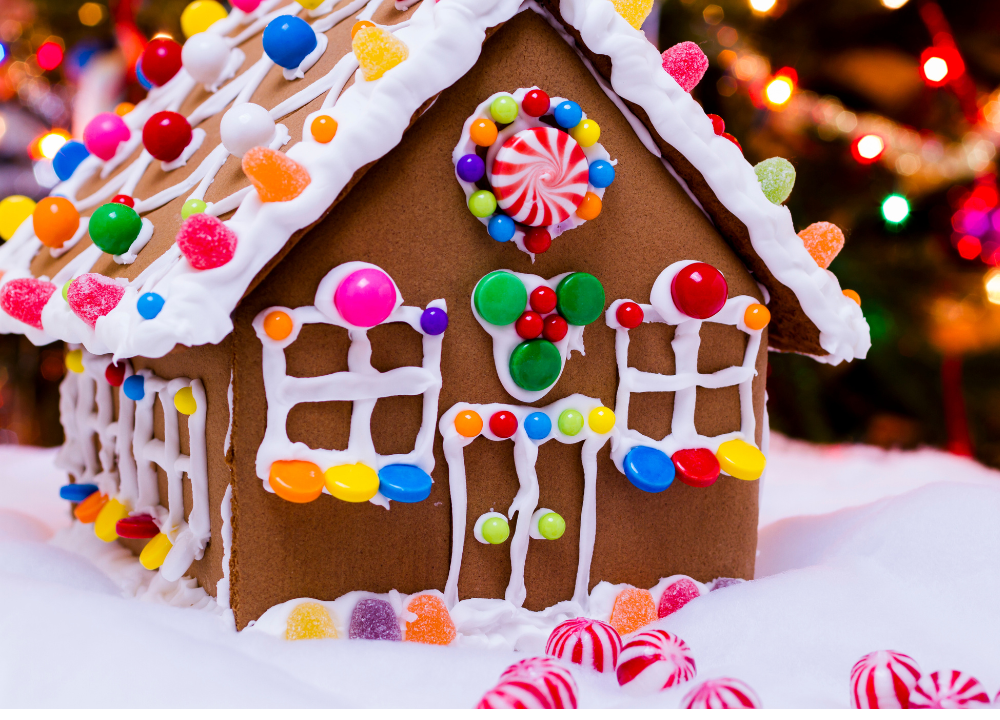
500 298
504 109
777 178
551 526
570 422
114 227
580 298
495 530
192 206
482 203
535 365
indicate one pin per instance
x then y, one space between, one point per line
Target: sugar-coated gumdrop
756 316
721 694
14 210
287 40
351 483
374 619
824 241
24 298
699 290
68 158
677 594
149 305
468 423
310 621
200 15
244 127
590 643
91 296
654 660
297 481
686 63
74 361
635 11
185 402
87 511
276 176
533 683
536 103
377 51
777 178
161 59
433 625
114 373
155 552
278 325
205 56
724 582
114 227
166 134
107 520
632 609
366 297
697 467
741 459
104 133
55 220
323 128
206 242
883 679
629 315
950 690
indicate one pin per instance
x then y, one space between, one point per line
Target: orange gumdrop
88 510
483 132
276 176
824 241
358 25
468 423
296 481
634 608
278 325
590 207
323 128
756 317
433 625
56 220
854 296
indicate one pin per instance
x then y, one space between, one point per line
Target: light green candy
504 109
777 178
495 530
570 422
192 206
65 290
551 526
482 203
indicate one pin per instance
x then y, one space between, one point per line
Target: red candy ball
537 240
629 315
123 200
699 290
529 325
543 299
718 124
696 467
536 103
503 424
166 134
555 328
161 60
115 374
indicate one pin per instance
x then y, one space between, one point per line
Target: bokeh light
779 90
762 6
991 283
91 14
895 208
49 55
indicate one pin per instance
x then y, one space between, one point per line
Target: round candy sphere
114 227
535 103
70 155
602 173
161 60
468 423
288 39
503 424
504 109
104 134
434 321
200 15
495 529
246 126
555 328
192 206
114 373
629 315
470 168
56 220
149 305
570 422
247 6
134 387
587 132
482 203
166 134
535 364
278 325
543 299
537 240
537 426
366 297
205 56
551 526
699 290
323 128
568 114
529 325
14 210
124 200
501 228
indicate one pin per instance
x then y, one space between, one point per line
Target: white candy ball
246 126
205 56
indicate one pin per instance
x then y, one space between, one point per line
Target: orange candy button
823 240
468 423
323 128
483 132
853 295
590 207
360 24
633 608
88 510
278 325
276 176
756 317
56 220
296 481
433 625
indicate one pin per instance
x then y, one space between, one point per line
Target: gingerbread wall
408 216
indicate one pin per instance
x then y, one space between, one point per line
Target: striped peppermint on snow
721 694
586 642
883 679
654 660
951 690
535 683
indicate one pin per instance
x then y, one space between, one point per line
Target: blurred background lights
894 4
3 54
763 6
49 55
868 148
969 247
50 143
895 208
779 90
91 14
935 69
992 285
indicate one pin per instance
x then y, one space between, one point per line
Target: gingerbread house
465 299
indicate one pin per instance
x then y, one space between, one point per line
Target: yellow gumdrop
310 621
14 210
184 401
201 15
377 51
635 11
741 460
601 420
155 552
107 519
74 361
352 483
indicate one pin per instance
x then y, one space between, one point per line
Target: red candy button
629 315
137 527
697 467
529 325
718 124
699 290
166 134
115 375
543 299
503 424
537 240
123 200
536 103
555 328
161 60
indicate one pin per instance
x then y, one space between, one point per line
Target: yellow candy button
352 483
74 361
310 621
741 460
107 519
601 420
155 552
184 401
200 15
14 210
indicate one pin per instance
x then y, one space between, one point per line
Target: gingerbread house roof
444 39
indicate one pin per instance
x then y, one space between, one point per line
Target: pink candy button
104 134
365 297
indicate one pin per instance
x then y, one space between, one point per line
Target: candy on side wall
686 63
276 176
377 51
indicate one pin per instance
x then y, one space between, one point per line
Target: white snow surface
860 549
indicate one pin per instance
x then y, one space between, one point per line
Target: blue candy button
649 469
404 483
149 305
501 228
538 425
568 114
134 387
602 173
77 493
287 40
68 158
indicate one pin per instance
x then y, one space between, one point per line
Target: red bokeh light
934 60
49 55
969 247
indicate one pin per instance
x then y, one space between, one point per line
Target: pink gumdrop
246 6
883 680
92 296
365 297
678 594
24 298
950 690
686 63
104 134
206 241
721 694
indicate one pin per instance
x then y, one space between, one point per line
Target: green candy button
551 526
495 530
114 227
535 364
580 298
500 298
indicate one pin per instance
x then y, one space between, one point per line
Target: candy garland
542 180
356 296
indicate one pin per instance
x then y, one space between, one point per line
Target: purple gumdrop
720 583
471 168
374 619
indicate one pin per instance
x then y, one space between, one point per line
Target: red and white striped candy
883 679
654 660
540 176
950 690
586 642
721 694
537 683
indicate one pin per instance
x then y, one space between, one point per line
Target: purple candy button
374 619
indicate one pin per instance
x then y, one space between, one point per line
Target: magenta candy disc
365 297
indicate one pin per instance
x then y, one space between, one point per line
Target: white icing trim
222 587
197 138
141 240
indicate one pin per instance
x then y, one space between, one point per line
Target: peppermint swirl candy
535 683
654 660
590 643
540 176
721 694
883 680
953 690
